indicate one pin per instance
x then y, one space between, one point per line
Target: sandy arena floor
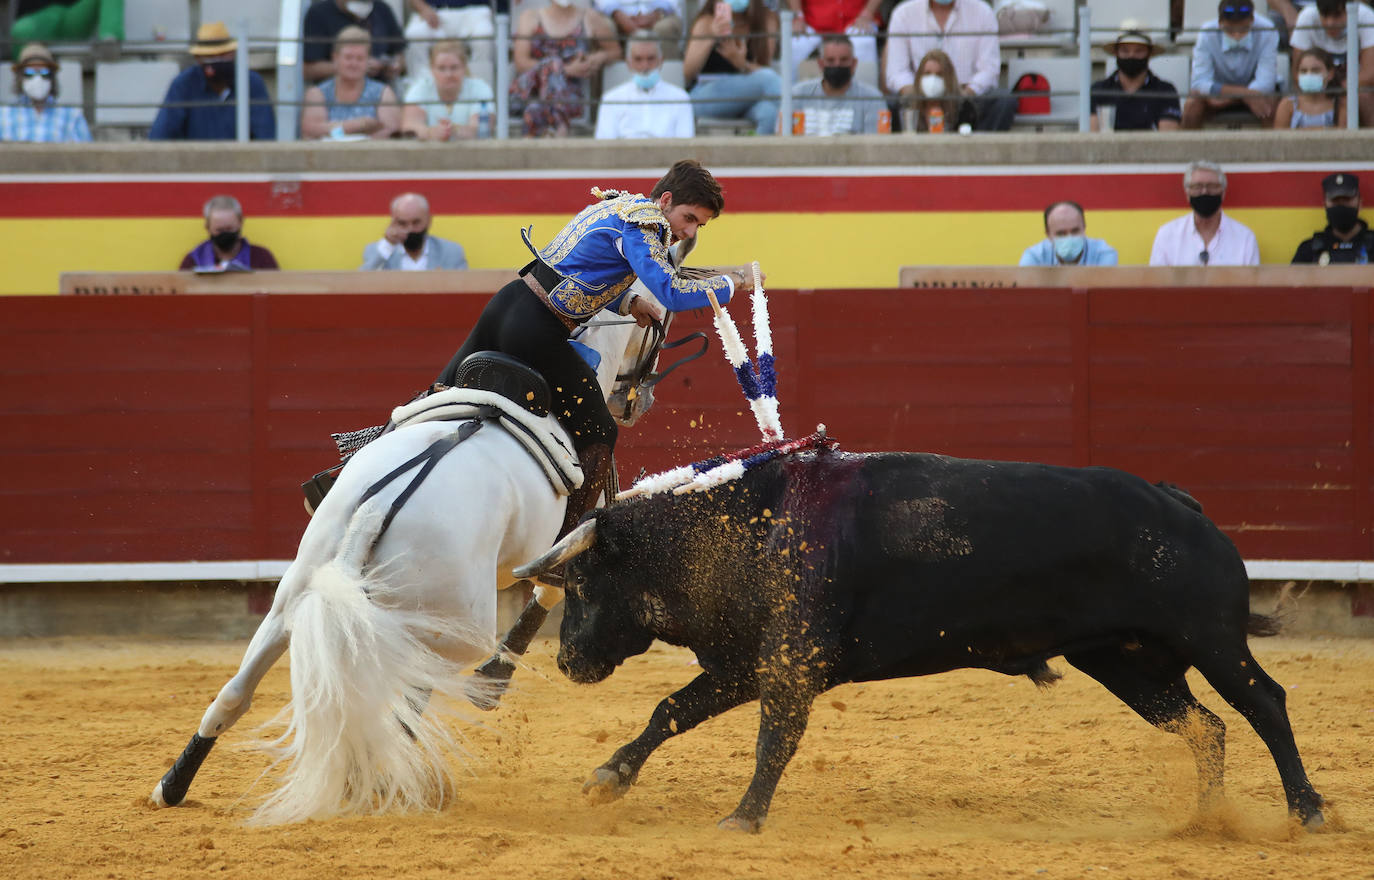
962 775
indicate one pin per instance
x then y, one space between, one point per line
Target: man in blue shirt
1234 65
1065 244
200 102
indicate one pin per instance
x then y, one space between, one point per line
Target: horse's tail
365 728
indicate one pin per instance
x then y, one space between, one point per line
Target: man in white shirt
646 106
967 32
1322 25
661 18
1206 237
407 245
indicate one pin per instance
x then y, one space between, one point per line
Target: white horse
380 619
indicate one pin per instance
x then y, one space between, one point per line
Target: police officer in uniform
1346 238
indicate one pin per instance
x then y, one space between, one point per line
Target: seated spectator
326 18
1322 25
661 18
967 32
646 106
836 103
1206 237
468 20
1315 105
813 19
350 105
447 105
937 89
407 245
1143 101
200 102
1233 65
66 21
1287 12
36 117
726 63
555 51
1346 238
1065 243
226 248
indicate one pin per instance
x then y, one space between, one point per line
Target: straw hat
1133 32
213 38
35 53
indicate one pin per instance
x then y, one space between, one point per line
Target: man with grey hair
1207 236
226 249
407 244
646 106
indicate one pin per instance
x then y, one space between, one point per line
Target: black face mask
1205 206
1132 67
415 240
219 71
225 241
837 77
1342 217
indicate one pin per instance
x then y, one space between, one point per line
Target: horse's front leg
498 670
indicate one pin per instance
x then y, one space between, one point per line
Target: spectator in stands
1287 12
66 21
448 104
555 51
1233 65
350 105
1315 104
1346 238
937 87
1206 237
467 20
1065 243
1322 25
407 244
226 248
1143 101
200 102
36 117
727 63
967 32
326 18
837 103
661 18
646 106
812 19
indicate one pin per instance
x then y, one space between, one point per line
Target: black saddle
507 376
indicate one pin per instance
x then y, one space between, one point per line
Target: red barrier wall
179 428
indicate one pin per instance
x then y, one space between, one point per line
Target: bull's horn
573 543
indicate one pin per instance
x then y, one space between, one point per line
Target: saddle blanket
543 438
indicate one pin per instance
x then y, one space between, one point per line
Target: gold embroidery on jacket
658 249
627 207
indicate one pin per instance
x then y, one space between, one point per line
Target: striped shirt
56 124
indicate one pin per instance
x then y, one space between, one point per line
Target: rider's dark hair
691 184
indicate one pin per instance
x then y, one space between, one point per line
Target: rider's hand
644 312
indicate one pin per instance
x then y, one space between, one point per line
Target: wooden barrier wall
178 428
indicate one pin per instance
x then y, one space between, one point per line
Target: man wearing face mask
646 106
1143 101
200 102
407 245
1065 243
836 103
1206 237
325 18
1233 65
1346 238
226 248
37 118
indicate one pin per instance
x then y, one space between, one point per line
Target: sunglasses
1237 12
38 71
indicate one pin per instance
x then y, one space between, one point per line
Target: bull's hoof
606 785
1314 822
739 823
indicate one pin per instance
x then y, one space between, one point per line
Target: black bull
827 568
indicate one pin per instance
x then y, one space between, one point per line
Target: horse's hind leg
233 700
1150 679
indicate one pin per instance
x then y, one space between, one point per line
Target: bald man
407 244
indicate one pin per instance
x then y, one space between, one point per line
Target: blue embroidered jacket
610 243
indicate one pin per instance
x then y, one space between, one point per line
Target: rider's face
684 219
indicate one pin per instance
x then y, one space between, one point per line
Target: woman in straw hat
36 117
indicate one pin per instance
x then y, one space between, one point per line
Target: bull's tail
1264 624
1179 495
362 731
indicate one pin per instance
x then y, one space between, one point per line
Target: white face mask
933 85
37 88
359 8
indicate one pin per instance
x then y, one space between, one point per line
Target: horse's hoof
739 823
156 798
604 786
